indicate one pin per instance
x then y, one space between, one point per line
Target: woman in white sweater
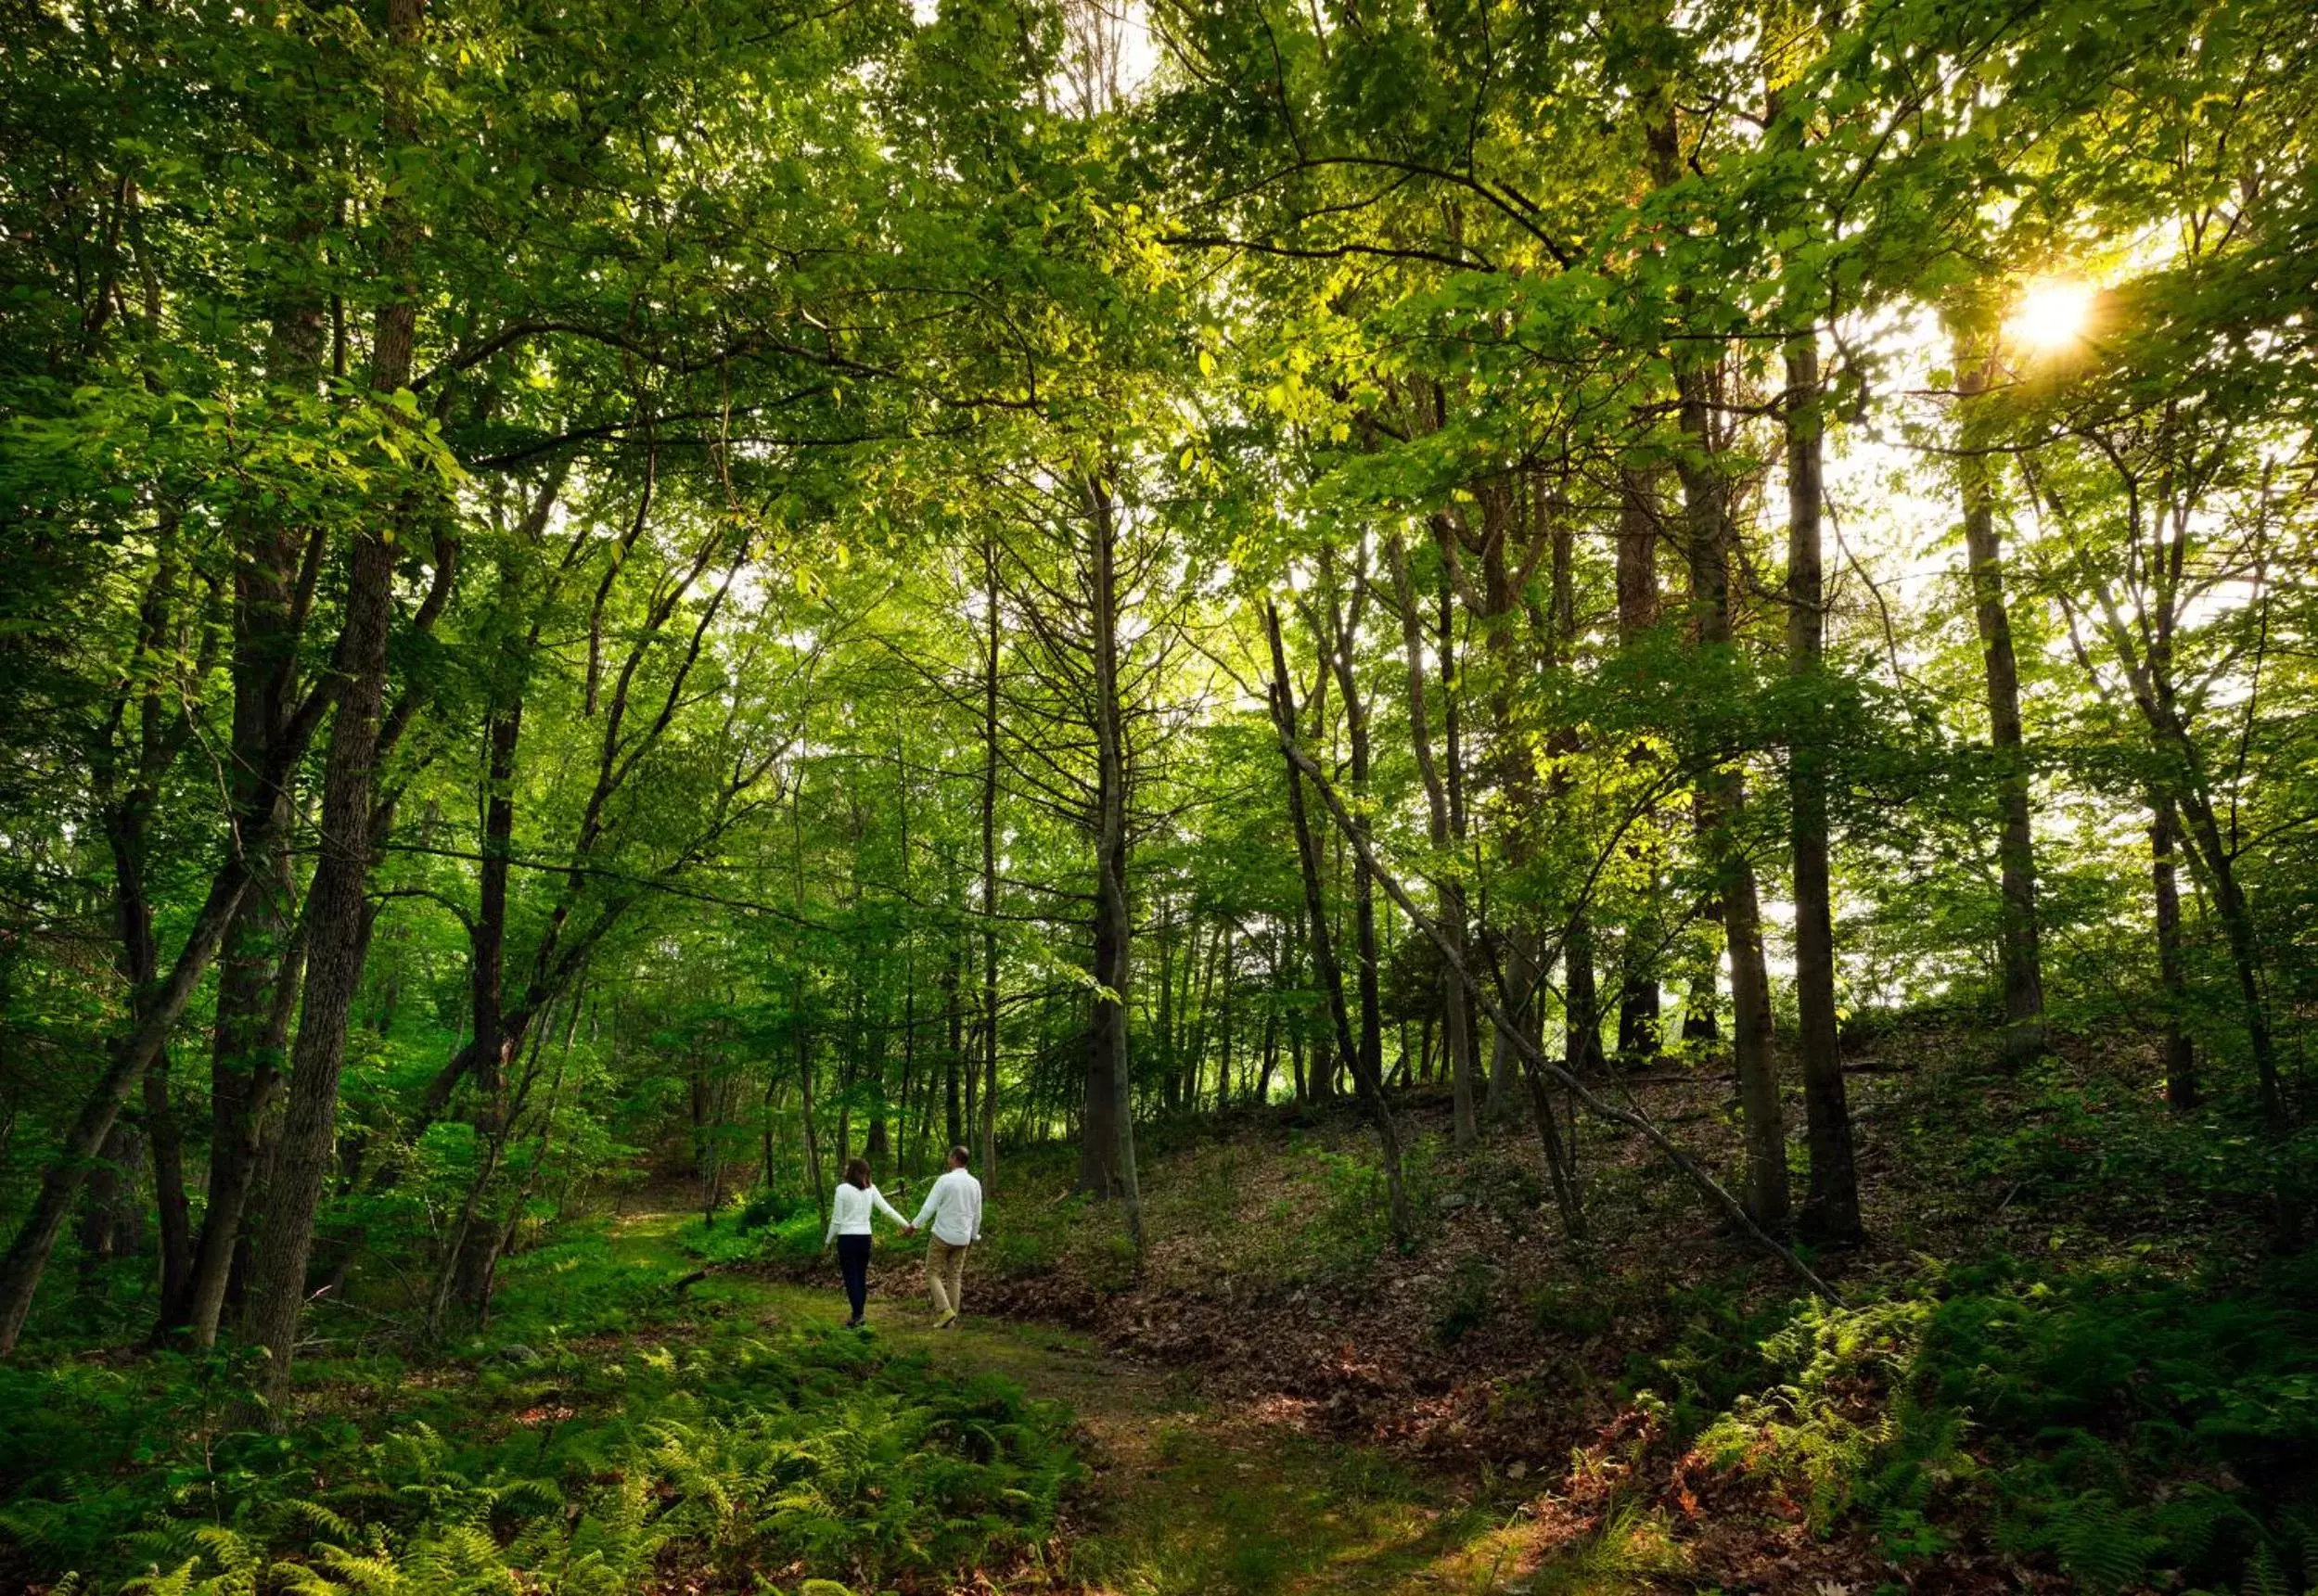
849 1213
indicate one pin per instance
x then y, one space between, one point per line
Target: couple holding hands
953 1210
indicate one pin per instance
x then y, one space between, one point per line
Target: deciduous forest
1577 743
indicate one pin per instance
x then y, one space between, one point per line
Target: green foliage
2117 1424
1468 1302
584 1474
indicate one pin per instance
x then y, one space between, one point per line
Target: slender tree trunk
2181 1053
2017 950
953 1061
1341 644
1465 1053
110 1228
1110 1062
989 865
1224 1072
1831 1208
477 1256
2208 850
1171 1083
1722 802
1639 1028
1369 1084
172 1213
1581 1002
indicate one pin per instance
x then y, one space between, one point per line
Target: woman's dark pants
853 1257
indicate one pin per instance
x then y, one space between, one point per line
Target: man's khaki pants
945 1276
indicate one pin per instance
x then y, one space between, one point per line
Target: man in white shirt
953 1204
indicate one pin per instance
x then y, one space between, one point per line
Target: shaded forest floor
2074 1353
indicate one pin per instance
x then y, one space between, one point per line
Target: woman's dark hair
858 1173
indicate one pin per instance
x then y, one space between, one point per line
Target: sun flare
2052 314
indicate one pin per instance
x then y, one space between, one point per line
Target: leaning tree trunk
28 1255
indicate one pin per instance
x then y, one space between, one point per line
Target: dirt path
1186 1498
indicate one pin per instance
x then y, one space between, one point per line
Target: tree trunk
2211 855
1110 1063
1709 532
1581 1002
1370 1087
2181 1053
36 1238
1340 645
2017 950
259 980
1831 1208
1639 1028
262 958
989 866
476 1258
337 913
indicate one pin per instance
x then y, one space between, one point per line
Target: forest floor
2077 1352
2073 1354
1184 1494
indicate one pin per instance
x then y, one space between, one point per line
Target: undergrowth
742 1461
2126 1427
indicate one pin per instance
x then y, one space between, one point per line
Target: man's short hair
960 1157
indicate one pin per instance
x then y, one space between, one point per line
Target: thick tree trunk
335 944
337 913
261 959
2017 950
259 977
1831 1208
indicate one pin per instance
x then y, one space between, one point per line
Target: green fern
2103 1544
